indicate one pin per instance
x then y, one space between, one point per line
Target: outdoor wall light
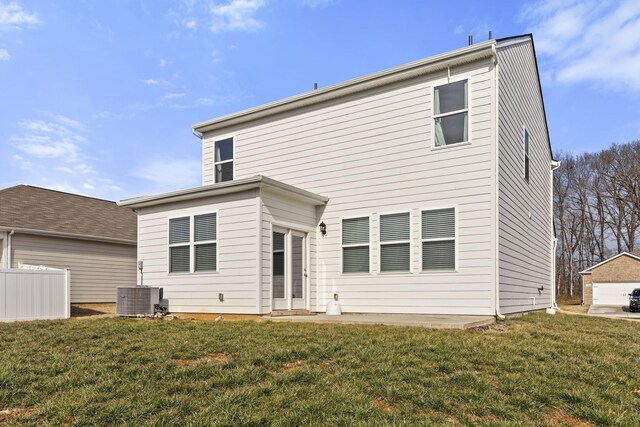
221 297
323 228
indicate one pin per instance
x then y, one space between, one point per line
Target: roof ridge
57 191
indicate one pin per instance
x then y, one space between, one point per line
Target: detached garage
611 281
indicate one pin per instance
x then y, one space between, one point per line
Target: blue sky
98 97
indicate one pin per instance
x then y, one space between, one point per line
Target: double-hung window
223 160
193 251
395 242
439 239
355 245
525 142
451 113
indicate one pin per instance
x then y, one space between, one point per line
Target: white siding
279 210
525 242
371 154
97 268
237 276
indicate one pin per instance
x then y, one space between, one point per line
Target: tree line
597 210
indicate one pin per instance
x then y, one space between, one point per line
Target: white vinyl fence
34 294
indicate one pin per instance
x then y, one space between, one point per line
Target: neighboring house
431 180
95 239
611 281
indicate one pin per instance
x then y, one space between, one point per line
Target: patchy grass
535 370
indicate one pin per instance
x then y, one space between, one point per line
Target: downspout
196 133
496 221
9 248
554 165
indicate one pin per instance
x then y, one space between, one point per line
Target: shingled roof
34 208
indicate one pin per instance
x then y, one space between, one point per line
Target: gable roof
29 209
588 270
411 70
507 41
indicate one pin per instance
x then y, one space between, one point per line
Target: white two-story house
425 188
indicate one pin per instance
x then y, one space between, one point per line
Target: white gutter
554 165
9 248
62 234
496 160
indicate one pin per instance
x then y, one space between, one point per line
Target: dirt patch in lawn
7 414
559 418
216 358
288 366
93 311
324 363
381 403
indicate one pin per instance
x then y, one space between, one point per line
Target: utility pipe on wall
9 248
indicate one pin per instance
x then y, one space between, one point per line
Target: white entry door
613 293
289 269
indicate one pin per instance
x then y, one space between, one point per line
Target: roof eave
404 72
61 234
220 189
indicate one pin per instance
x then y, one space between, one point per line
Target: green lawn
539 369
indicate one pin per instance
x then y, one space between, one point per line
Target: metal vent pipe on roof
470 40
490 34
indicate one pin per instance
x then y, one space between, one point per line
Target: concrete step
278 313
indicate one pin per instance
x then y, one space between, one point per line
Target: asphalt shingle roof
35 208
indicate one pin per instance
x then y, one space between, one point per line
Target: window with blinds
201 245
439 239
395 242
355 245
179 247
205 242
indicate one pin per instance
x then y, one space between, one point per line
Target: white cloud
237 15
164 63
191 24
13 16
318 3
88 186
459 29
170 174
588 41
4 55
154 82
215 56
172 95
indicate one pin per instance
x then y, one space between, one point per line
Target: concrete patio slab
613 311
417 320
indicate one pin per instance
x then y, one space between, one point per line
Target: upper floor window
223 160
355 245
525 142
451 113
395 244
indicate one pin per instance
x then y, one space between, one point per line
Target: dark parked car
634 300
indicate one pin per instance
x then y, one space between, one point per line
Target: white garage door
613 293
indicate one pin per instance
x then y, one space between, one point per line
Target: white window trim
526 156
342 246
192 244
444 82
391 242
232 160
455 238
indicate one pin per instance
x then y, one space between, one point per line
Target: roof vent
470 40
490 34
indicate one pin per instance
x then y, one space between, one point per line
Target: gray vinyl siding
278 209
97 268
237 249
525 243
371 154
